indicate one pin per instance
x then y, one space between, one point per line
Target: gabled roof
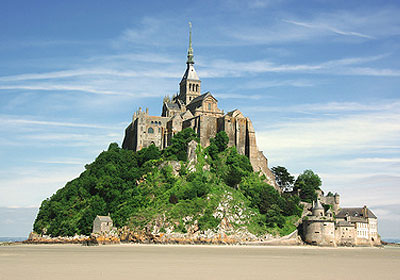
187 115
203 96
104 218
355 212
235 113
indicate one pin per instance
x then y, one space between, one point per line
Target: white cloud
329 28
14 121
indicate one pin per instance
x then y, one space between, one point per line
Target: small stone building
102 224
364 222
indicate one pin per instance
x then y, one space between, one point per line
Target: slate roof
354 212
202 97
318 205
172 106
190 73
234 113
104 218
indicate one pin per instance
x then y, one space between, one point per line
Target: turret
318 210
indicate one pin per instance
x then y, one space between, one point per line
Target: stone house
102 224
365 224
199 111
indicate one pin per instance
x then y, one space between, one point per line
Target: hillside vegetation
140 188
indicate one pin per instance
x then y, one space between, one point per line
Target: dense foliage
138 187
307 183
283 178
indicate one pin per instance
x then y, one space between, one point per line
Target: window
209 106
197 88
159 130
150 130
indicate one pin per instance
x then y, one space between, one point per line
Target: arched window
197 88
190 87
150 130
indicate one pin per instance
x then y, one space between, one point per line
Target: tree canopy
307 183
283 178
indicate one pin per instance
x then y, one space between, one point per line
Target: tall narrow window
197 88
209 106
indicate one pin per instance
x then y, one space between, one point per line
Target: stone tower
190 85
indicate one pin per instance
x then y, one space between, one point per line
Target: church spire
190 50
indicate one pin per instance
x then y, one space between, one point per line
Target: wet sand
196 262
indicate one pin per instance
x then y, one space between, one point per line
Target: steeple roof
190 50
318 205
190 73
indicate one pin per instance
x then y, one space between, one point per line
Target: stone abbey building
191 108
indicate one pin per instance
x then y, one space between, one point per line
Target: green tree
283 178
238 167
179 144
218 144
307 183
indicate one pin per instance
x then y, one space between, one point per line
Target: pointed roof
190 49
318 205
190 73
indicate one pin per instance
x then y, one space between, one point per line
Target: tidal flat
196 262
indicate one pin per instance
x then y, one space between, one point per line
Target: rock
192 156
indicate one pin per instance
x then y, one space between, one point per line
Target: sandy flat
196 262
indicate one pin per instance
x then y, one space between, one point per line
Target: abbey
191 108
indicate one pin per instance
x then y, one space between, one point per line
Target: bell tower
190 83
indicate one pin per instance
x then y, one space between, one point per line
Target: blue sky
320 81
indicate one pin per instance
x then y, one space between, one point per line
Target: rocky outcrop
94 239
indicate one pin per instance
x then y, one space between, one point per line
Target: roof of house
235 113
172 105
355 212
104 218
202 97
